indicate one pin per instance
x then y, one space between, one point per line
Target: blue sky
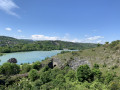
95 21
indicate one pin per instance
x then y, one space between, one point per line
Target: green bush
45 77
37 65
9 69
71 76
109 77
96 66
84 73
33 75
60 78
25 68
96 73
114 85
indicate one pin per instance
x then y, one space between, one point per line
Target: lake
28 57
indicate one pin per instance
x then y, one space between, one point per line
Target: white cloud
43 37
19 30
8 6
95 38
8 29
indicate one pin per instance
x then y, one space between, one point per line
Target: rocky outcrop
74 64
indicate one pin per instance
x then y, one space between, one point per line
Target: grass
99 55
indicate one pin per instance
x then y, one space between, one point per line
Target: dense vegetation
36 77
9 44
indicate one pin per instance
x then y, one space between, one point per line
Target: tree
71 75
106 43
9 69
33 75
37 65
26 68
98 45
84 73
45 77
60 78
96 73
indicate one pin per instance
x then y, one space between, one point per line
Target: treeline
14 45
45 78
10 41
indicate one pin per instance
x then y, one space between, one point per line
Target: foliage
71 76
114 43
97 73
33 75
96 66
37 65
115 85
109 77
9 69
84 73
25 68
9 44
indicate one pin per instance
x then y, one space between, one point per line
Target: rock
12 60
74 64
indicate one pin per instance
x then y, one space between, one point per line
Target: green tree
9 69
25 68
33 75
84 73
96 73
71 75
106 43
37 65
45 77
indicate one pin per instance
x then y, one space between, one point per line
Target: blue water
28 57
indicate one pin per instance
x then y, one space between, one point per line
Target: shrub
104 65
38 83
109 77
33 75
114 85
25 68
62 52
96 73
114 43
9 69
71 76
96 66
37 65
114 67
45 77
84 73
60 78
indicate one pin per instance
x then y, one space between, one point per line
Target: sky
87 21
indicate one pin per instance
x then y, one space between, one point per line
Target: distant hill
9 44
8 41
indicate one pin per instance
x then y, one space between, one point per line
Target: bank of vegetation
36 77
9 44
